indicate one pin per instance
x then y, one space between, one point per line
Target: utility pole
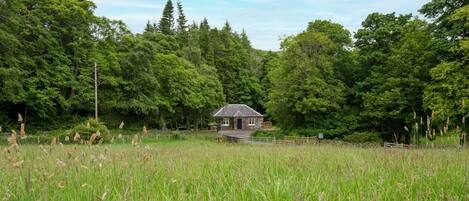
95 92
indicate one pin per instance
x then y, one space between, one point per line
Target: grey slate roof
236 110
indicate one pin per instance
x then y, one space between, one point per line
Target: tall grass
204 170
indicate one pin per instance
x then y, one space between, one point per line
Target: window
252 121
226 122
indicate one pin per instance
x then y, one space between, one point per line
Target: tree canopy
393 73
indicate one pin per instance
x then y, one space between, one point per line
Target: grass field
199 169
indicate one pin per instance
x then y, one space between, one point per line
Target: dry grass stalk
61 164
12 139
54 141
446 127
144 130
20 118
67 138
135 140
146 158
93 138
88 125
76 137
22 131
121 125
61 184
18 164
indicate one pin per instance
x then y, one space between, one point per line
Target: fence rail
285 141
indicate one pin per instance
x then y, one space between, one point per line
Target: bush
310 132
363 137
88 128
177 135
276 134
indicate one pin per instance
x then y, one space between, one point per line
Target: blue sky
265 21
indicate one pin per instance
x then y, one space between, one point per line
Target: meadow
201 169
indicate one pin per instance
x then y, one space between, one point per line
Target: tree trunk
162 122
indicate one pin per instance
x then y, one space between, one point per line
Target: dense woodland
397 73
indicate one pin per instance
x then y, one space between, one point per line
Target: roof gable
237 110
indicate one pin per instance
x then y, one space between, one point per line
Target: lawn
198 169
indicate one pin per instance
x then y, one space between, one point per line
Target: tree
304 92
441 12
166 25
182 21
182 35
450 83
396 54
149 27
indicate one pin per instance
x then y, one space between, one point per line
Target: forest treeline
396 73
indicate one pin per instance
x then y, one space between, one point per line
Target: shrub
177 135
363 137
451 137
277 134
88 128
310 132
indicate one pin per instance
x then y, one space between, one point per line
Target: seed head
144 130
20 118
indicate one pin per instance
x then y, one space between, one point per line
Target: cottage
238 117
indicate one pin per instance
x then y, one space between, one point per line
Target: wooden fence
284 141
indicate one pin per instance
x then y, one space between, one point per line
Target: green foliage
190 169
88 128
304 91
174 75
278 134
363 137
166 25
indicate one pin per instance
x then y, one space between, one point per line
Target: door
239 124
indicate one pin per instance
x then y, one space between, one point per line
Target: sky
265 21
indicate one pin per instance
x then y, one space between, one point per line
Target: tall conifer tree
182 21
167 21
